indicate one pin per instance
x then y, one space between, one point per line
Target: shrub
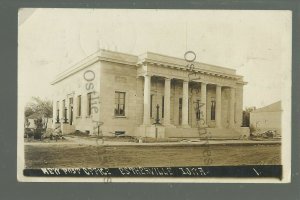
29 132
49 132
38 133
39 129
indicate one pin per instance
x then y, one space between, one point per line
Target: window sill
77 117
119 116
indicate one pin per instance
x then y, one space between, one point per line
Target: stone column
203 101
218 106
167 101
147 87
231 111
185 103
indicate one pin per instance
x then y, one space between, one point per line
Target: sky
255 43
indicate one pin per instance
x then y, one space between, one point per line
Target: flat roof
128 59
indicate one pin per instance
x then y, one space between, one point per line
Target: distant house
32 118
267 118
31 123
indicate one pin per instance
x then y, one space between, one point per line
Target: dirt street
75 155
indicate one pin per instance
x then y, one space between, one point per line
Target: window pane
116 109
79 105
122 111
119 104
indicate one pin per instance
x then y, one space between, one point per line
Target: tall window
57 111
64 109
71 101
213 109
119 103
162 106
198 110
89 103
79 105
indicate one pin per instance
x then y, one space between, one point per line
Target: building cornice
103 55
74 69
179 63
183 67
149 58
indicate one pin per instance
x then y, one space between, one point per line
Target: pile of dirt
265 135
80 134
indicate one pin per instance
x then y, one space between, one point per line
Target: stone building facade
111 93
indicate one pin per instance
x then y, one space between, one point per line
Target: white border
285 148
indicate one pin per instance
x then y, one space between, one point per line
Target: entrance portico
216 92
185 102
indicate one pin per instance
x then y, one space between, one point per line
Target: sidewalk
184 142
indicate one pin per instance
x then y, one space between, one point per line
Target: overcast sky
255 43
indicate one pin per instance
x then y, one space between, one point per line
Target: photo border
8 136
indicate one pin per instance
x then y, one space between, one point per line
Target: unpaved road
75 155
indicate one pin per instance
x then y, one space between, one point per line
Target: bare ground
75 155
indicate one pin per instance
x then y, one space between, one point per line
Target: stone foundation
153 131
67 129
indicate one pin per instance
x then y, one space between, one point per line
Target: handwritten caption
127 171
